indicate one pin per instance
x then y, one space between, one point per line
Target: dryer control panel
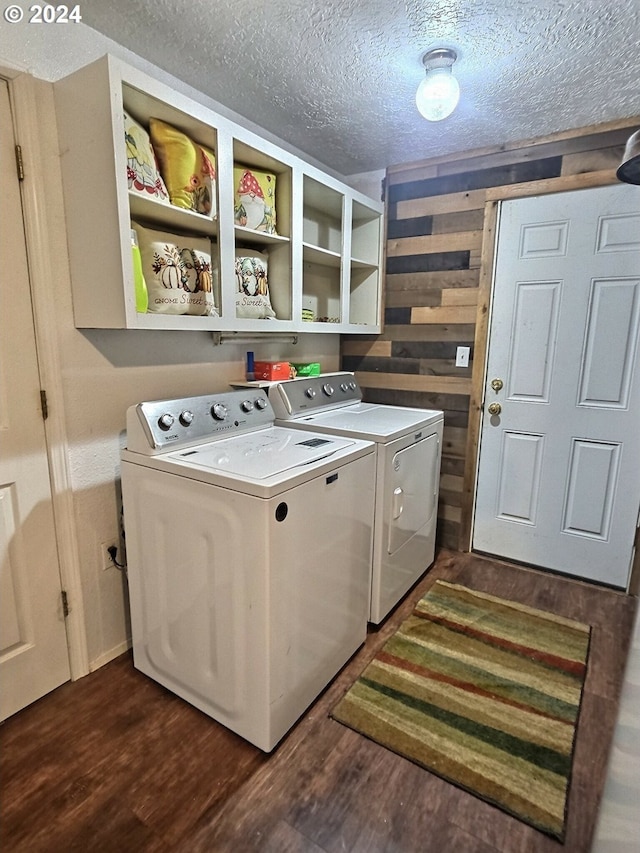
308 394
160 425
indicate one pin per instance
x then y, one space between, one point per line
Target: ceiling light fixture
629 169
438 94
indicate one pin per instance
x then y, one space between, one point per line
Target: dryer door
412 482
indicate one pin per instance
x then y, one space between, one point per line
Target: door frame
494 197
23 96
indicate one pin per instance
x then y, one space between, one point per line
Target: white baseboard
110 655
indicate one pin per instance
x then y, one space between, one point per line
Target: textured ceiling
337 78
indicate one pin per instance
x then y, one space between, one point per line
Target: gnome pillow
255 199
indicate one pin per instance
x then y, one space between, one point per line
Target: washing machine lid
369 421
269 454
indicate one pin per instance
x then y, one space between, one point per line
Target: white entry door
33 644
559 470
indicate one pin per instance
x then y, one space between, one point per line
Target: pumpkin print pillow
177 272
252 286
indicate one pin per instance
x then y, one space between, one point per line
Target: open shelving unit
323 260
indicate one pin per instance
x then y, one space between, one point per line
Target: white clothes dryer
408 451
248 552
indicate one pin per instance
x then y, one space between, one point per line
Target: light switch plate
462 356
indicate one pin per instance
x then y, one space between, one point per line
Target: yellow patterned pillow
188 168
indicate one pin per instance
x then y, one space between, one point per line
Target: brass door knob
497 384
494 408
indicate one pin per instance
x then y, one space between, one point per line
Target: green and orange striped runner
483 692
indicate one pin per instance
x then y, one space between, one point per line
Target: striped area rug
483 692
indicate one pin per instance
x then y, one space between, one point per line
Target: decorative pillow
143 176
252 286
188 168
177 271
255 199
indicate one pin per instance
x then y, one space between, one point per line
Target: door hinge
43 404
65 603
19 163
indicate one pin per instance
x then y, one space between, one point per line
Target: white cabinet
323 259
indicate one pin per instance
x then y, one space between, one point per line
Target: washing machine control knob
352 386
166 421
344 387
261 403
246 406
328 389
186 418
219 411
310 393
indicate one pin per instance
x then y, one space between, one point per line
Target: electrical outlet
105 556
462 356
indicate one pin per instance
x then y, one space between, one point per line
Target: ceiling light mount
629 169
438 94
439 57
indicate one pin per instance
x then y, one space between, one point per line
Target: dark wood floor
114 762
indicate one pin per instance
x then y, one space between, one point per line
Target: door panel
412 485
559 467
33 644
534 336
591 488
13 597
611 341
519 484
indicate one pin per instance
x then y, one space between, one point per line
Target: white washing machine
248 552
408 450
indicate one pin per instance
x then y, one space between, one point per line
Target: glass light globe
438 94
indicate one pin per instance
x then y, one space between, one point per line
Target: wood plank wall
435 226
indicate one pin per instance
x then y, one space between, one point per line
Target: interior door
559 466
33 644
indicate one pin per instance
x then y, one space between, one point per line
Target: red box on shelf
272 370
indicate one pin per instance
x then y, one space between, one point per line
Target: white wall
104 372
368 183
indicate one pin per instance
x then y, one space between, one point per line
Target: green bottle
142 296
